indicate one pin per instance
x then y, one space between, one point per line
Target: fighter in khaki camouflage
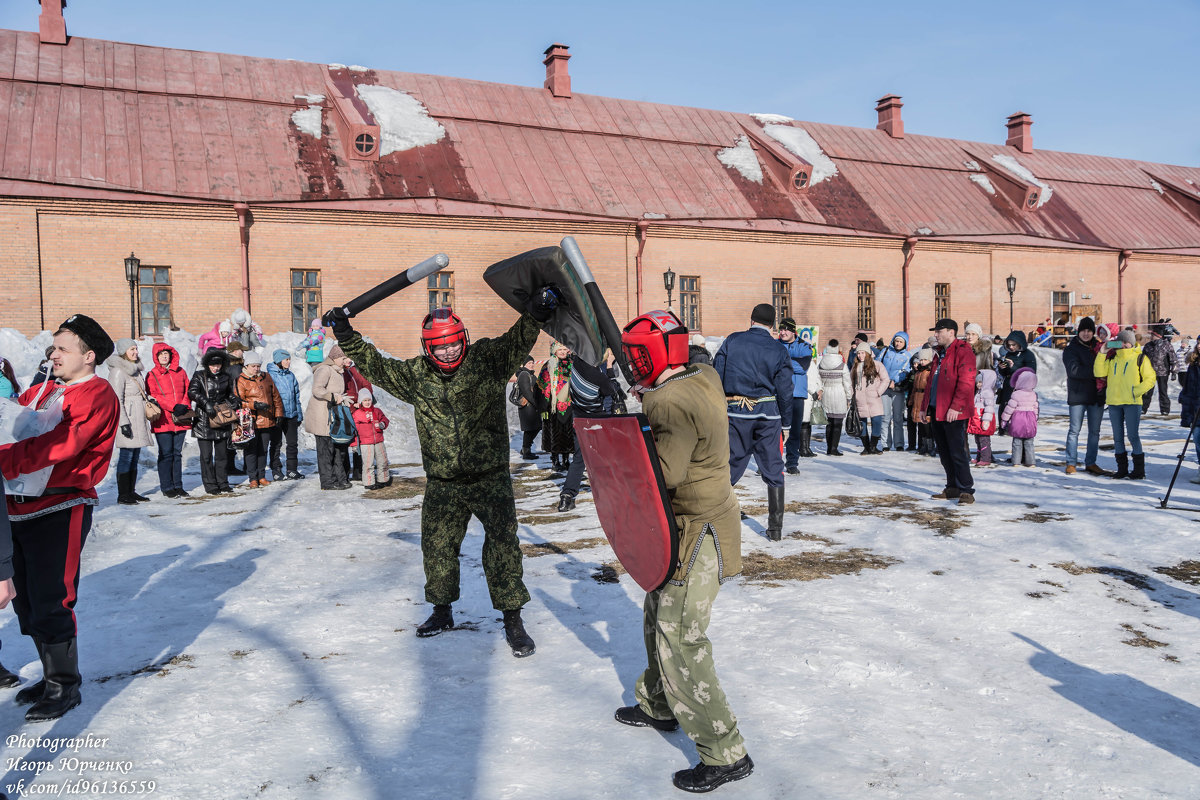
457 392
686 408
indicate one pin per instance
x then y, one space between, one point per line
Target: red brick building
287 187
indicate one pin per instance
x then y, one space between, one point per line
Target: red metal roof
105 119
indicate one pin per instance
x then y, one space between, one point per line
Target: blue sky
1110 78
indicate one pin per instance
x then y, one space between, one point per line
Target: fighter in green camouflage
457 392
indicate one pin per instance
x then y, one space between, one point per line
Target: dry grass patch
545 519
1185 571
1042 516
1140 639
767 570
401 489
1130 577
894 507
812 537
535 549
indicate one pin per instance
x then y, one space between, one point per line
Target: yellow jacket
1130 375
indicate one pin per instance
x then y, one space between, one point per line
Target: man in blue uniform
756 372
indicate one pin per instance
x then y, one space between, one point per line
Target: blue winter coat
289 390
753 364
896 361
801 354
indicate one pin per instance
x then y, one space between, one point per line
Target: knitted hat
528 358
975 328
862 337
252 357
763 314
1087 324
336 352
123 345
279 356
1127 336
365 394
787 324
925 354
89 331
698 340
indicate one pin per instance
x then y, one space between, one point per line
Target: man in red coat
951 398
49 529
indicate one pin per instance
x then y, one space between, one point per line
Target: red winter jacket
368 422
955 373
169 387
79 447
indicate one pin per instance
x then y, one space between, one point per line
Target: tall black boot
8 677
124 486
1139 467
442 619
514 633
137 498
806 441
60 666
875 451
866 443
1122 466
837 438
774 513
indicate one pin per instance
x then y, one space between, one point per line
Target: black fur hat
89 331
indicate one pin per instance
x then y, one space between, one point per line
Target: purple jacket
1021 413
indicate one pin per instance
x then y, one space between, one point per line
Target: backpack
341 424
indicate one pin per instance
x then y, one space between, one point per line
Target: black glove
210 409
261 408
127 431
336 319
279 421
543 302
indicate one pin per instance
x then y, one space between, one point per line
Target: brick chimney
51 25
557 79
1019 135
889 116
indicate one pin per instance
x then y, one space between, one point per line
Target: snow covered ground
261 645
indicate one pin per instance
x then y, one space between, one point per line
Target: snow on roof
403 122
1016 168
799 142
983 181
924 231
311 99
1157 186
653 215
742 158
358 68
973 165
336 66
769 118
308 120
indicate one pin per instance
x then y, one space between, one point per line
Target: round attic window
364 144
800 180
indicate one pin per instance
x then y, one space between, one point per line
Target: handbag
818 415
153 409
341 424
853 424
226 411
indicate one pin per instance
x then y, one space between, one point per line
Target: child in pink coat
371 422
1020 416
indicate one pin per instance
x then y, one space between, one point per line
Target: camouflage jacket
461 420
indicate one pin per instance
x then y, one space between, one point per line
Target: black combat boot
774 513
1122 466
633 715
514 633
442 619
1139 467
8 677
806 441
566 502
706 777
60 666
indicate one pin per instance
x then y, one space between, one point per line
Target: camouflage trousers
445 512
680 680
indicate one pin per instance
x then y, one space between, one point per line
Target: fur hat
365 394
763 314
123 345
239 317
1127 336
235 346
279 356
252 357
90 333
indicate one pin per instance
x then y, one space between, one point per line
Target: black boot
33 692
442 619
566 502
1122 466
866 443
706 777
806 441
132 484
527 454
774 513
836 428
60 666
515 635
633 715
8 677
875 451
124 487
1139 467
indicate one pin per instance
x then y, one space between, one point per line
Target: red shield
631 501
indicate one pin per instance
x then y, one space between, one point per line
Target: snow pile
742 158
308 120
767 119
983 181
403 122
1157 186
1016 168
799 142
973 165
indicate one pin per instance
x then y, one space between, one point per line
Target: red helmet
442 327
654 342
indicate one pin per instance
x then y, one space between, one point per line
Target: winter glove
544 301
279 421
1111 354
336 319
261 407
127 431
210 409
